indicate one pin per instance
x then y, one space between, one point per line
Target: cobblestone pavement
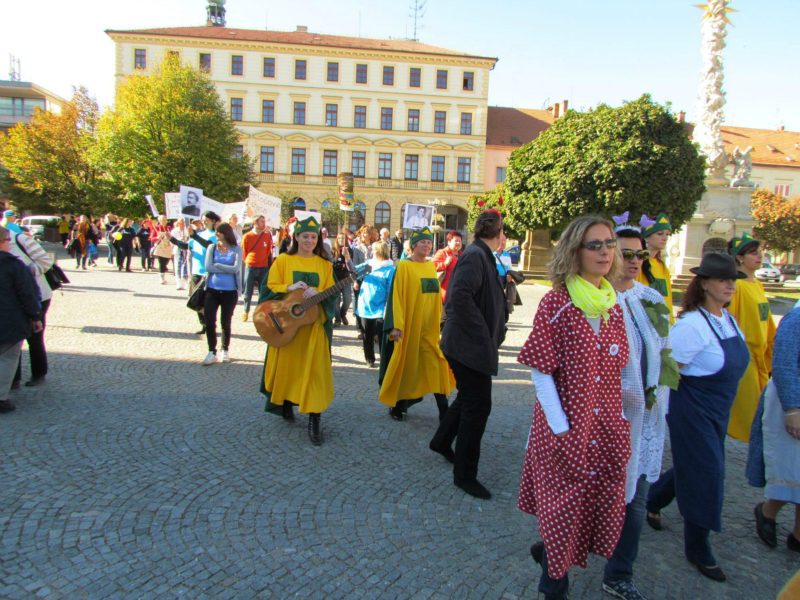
136 472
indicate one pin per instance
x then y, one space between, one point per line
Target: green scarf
594 302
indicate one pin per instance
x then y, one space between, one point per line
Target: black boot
441 404
314 433
287 412
396 412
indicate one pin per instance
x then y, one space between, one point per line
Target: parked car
789 272
514 253
768 272
37 223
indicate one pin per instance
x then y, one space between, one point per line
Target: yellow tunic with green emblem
662 283
417 366
750 308
301 371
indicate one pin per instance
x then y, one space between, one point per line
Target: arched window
299 204
326 204
357 217
383 215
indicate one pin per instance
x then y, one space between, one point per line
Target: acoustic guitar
277 321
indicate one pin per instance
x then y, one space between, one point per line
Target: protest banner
152 204
259 203
191 201
172 204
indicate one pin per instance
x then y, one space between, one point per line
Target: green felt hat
421 234
309 224
662 223
740 244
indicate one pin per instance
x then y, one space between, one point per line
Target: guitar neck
322 296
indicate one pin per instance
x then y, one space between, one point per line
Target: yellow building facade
407 119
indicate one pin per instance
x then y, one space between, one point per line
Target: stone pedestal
722 213
536 250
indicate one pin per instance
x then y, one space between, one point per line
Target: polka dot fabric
576 484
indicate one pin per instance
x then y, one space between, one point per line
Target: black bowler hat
718 266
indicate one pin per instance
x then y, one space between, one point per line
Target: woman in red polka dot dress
573 478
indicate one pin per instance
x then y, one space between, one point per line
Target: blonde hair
566 259
380 249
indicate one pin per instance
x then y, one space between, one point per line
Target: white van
37 223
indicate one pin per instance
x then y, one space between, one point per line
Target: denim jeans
111 252
253 278
620 565
343 302
662 492
181 265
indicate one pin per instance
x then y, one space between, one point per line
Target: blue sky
586 51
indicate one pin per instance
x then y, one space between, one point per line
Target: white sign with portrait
417 216
191 201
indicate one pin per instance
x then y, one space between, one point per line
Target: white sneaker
210 359
224 357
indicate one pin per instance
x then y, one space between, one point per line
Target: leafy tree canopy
777 220
168 129
47 162
636 157
495 198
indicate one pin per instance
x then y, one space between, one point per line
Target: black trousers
465 420
163 263
36 350
195 280
371 328
147 260
124 254
226 301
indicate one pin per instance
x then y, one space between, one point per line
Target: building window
299 113
413 119
299 69
329 162
439 121
238 151
140 58
466 123
386 117
268 111
237 64
464 167
360 118
782 189
331 115
388 75
384 166
441 79
205 62
298 161
269 66
412 166
500 174
469 81
414 77
333 71
236 109
267 163
383 215
361 73
359 164
437 168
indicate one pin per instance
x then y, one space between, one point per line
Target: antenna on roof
14 68
417 9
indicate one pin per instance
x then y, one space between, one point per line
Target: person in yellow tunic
412 364
300 373
655 273
750 308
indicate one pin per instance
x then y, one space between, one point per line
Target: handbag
163 249
54 276
197 298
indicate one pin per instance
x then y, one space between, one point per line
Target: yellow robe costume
662 283
416 366
301 371
750 308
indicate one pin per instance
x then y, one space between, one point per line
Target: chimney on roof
682 117
781 127
556 110
215 12
564 104
302 29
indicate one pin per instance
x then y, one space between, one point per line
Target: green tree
777 220
636 157
48 161
495 198
170 129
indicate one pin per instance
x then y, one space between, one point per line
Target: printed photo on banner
191 199
416 216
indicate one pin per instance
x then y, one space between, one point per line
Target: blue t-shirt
223 281
199 252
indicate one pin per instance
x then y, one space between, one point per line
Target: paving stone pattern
135 472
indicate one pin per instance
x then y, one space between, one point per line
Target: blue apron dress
698 421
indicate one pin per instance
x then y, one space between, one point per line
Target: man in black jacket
19 314
471 338
396 246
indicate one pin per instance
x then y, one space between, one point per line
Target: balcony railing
297 178
266 177
372 182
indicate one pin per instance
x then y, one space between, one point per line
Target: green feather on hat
309 224
421 234
662 223
740 244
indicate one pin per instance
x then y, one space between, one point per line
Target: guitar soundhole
297 311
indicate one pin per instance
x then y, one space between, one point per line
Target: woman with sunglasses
573 477
712 355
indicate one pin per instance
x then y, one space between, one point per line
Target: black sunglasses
631 254
596 245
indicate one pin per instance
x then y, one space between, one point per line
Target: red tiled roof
514 127
771 147
298 37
